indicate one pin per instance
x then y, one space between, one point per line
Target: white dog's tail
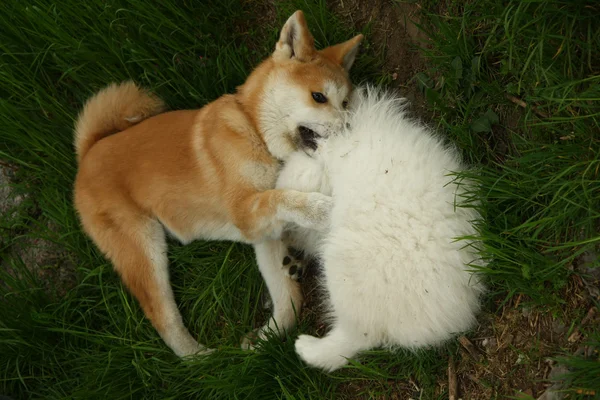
111 110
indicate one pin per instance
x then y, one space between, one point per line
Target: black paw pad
294 262
297 254
296 272
293 270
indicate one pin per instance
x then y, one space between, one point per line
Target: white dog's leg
285 292
332 351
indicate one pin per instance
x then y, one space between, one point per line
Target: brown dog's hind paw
295 263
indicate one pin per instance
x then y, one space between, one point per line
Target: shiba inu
209 173
394 273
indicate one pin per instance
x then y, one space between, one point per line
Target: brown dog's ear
295 40
344 53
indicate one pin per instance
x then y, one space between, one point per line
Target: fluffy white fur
394 273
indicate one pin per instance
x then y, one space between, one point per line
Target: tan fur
200 174
113 109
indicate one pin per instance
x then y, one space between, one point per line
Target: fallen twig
587 392
452 381
522 104
588 316
576 335
516 100
518 300
470 347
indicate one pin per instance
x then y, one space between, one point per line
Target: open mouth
308 137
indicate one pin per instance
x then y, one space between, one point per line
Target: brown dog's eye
345 104
319 97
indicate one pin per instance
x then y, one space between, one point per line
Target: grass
539 167
538 186
584 378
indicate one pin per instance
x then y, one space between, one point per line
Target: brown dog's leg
262 215
285 292
137 247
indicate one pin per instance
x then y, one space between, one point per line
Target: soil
257 15
48 263
516 344
394 32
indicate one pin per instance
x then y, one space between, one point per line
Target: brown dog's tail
111 110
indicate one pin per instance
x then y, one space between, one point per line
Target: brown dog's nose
308 137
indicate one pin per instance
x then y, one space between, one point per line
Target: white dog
394 273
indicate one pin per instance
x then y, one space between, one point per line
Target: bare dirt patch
44 260
394 33
516 344
258 15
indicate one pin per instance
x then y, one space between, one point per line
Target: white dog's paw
305 347
315 353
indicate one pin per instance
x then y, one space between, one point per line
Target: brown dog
209 173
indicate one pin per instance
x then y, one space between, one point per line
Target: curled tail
111 110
